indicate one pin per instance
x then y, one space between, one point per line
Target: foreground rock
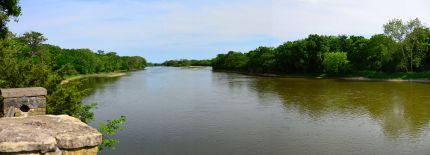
47 134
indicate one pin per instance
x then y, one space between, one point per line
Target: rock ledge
46 133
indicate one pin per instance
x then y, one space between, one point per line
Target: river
194 111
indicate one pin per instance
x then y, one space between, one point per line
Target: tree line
186 62
403 47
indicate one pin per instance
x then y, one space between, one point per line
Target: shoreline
98 75
346 78
360 78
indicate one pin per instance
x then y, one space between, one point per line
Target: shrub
335 62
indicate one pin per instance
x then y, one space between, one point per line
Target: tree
380 55
101 52
34 40
8 9
230 61
417 46
108 130
399 31
335 62
261 59
316 46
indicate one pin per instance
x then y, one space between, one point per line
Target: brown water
194 111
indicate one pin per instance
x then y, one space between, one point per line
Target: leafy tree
416 45
316 46
261 59
335 62
381 54
108 130
34 40
284 57
101 52
8 9
230 61
356 48
67 99
399 31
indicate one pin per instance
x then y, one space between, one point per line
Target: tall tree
34 40
399 31
8 9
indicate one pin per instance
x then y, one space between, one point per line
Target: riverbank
422 77
78 77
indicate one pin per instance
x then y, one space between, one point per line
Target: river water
194 111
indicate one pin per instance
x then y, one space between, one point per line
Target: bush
335 62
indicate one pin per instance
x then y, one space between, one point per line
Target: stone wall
49 135
25 101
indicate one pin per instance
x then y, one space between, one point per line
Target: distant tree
101 52
185 62
8 9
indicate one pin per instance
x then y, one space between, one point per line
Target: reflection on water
197 111
96 83
400 108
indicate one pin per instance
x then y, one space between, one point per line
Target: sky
161 30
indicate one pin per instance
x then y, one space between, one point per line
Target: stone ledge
46 133
20 92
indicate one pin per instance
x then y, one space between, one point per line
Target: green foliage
8 9
230 61
108 130
85 61
67 99
335 62
19 71
34 41
411 37
132 63
380 54
186 62
261 59
404 46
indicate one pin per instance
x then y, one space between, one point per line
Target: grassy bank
77 77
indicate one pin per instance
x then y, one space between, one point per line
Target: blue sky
161 29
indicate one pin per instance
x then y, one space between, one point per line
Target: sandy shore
114 74
424 80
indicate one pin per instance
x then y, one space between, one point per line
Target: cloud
165 29
363 17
